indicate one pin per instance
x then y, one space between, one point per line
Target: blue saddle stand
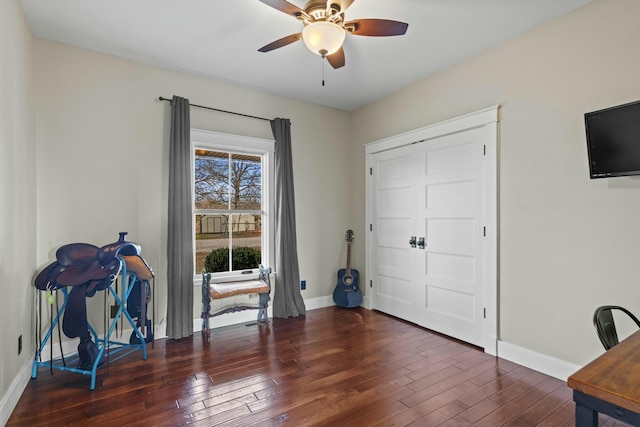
116 349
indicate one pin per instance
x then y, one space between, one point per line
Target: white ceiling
221 38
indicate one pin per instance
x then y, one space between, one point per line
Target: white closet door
451 217
394 205
434 190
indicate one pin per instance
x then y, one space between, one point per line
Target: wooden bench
217 291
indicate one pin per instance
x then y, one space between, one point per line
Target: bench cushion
228 289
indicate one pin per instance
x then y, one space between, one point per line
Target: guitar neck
348 269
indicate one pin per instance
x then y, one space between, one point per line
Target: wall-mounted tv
613 141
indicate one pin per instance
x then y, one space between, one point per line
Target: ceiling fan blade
376 27
336 59
281 42
285 6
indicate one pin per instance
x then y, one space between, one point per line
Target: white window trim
266 148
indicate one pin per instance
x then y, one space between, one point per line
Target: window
232 194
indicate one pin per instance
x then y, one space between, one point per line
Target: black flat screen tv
613 141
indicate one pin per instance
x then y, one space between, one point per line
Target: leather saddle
88 269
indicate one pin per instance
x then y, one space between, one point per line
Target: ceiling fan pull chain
323 71
323 54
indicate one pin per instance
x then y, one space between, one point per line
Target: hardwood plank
436 401
447 382
440 415
503 415
547 405
563 417
501 381
366 415
480 410
455 422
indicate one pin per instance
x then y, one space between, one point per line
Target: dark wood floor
335 367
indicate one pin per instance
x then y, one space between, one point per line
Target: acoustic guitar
347 292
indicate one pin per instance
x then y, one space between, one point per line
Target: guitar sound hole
348 281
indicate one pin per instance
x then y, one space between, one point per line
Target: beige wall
17 198
567 243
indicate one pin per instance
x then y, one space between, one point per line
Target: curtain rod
221 111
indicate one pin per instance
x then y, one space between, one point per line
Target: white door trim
488 119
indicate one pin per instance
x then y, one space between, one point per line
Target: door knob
412 241
421 243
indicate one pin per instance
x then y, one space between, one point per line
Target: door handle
412 241
421 243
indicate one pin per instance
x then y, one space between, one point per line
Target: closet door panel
393 198
451 214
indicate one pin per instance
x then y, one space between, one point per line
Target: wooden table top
614 376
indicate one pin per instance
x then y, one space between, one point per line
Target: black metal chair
605 325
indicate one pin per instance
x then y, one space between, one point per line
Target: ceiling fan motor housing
319 10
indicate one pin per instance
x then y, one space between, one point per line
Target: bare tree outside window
228 195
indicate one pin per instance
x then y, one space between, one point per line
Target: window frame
240 144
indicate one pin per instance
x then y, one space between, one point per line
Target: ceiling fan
325 27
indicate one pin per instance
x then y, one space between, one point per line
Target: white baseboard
540 362
319 302
12 396
366 302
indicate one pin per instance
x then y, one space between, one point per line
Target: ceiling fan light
323 37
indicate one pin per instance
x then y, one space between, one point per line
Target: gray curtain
180 249
287 300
